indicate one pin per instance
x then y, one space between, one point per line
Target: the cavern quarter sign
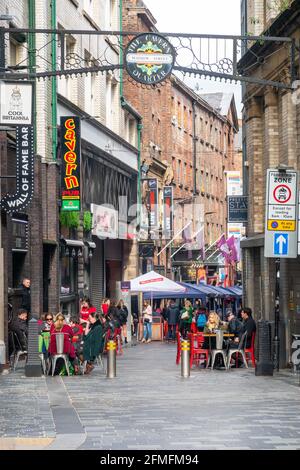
149 58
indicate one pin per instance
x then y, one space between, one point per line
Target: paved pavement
149 406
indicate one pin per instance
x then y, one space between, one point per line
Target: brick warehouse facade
271 138
108 152
191 137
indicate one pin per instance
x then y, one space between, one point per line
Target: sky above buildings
202 17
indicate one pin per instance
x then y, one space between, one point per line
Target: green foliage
69 219
279 6
87 221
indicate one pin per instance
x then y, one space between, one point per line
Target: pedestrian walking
26 295
123 315
147 322
172 315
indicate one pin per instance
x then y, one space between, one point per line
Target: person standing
186 318
123 315
172 315
147 320
105 306
26 295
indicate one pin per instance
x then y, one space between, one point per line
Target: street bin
264 365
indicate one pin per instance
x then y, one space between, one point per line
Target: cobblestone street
149 406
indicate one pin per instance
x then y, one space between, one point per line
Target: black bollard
33 365
264 365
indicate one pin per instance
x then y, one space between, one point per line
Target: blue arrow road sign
281 244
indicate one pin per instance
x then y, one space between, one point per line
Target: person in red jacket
105 306
59 326
85 310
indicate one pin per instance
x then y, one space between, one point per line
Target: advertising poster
70 163
167 211
105 221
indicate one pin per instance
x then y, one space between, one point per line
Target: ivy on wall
87 221
72 219
69 219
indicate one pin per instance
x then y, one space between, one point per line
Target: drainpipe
53 82
194 149
32 61
132 111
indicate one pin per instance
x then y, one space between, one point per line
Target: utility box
264 365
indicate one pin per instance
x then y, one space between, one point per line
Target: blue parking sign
281 244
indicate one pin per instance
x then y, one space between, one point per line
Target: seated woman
59 326
213 323
92 341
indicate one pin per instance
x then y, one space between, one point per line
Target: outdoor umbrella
153 282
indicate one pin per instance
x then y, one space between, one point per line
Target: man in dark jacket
172 319
248 325
19 326
26 297
234 325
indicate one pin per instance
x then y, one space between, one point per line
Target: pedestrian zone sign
281 225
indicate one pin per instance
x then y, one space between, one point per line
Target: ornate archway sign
149 58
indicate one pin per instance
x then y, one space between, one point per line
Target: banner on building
70 163
234 183
105 221
25 172
149 212
167 211
16 102
237 209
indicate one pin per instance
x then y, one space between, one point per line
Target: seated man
248 325
19 326
234 325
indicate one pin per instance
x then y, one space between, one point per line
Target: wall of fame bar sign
24 173
70 163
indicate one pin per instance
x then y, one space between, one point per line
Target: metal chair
196 351
219 349
17 350
251 350
59 354
239 350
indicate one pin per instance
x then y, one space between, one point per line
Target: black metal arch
208 56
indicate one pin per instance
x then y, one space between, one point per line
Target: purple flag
232 248
224 248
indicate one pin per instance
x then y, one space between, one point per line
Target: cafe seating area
218 345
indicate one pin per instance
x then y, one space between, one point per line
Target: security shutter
97 274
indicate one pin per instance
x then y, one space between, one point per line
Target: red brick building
187 141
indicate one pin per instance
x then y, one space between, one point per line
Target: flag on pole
232 247
187 237
201 242
224 248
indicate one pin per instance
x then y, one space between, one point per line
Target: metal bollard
185 358
33 366
111 359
